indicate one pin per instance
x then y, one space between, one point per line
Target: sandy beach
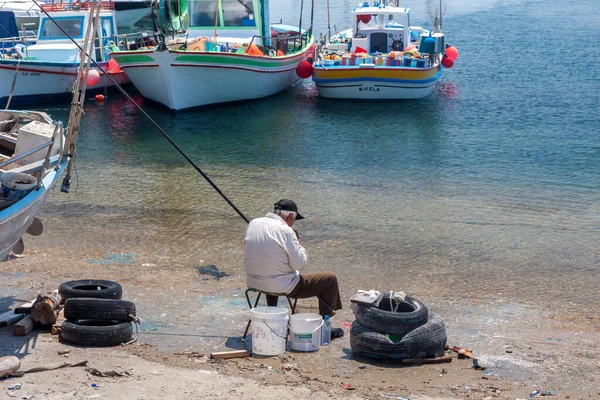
189 311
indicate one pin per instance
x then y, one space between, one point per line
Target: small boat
381 57
35 152
46 70
229 52
128 12
31 162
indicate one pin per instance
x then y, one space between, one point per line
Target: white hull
39 81
180 80
15 220
368 90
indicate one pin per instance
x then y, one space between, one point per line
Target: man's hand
297 236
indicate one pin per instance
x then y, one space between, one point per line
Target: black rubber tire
99 309
410 314
96 333
426 341
94 288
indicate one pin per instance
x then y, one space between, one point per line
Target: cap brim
298 216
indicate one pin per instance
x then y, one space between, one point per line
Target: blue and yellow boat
382 57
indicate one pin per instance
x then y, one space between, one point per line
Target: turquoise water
488 187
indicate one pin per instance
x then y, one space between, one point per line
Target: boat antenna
436 14
312 14
145 114
300 23
328 22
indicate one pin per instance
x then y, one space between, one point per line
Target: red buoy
304 70
452 52
93 77
99 97
447 62
364 18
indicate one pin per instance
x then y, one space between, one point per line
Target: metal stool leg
250 305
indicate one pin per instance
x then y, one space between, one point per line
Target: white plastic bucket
269 329
305 332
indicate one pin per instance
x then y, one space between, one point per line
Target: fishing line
196 167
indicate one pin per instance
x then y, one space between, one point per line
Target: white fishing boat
31 162
47 70
383 56
229 52
128 12
34 153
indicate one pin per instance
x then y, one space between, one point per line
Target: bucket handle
274 333
305 333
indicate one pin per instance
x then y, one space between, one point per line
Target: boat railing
8 44
284 43
76 6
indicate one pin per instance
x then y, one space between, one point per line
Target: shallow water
490 187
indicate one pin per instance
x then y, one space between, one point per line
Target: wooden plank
56 328
436 360
221 355
9 318
24 326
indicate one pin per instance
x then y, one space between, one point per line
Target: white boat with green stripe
230 53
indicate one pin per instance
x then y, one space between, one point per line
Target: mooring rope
188 159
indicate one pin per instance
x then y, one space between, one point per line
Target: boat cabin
230 18
52 43
382 29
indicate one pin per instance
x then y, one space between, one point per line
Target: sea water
489 187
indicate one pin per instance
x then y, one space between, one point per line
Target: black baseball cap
288 205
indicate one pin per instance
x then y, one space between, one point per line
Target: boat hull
38 82
375 83
15 219
184 79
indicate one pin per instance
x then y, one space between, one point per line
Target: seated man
274 258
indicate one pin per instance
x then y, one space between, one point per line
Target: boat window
231 13
238 13
106 26
202 12
72 25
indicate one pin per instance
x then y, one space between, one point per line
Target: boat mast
79 90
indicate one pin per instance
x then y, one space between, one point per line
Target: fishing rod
196 167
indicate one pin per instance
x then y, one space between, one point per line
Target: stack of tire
95 314
409 332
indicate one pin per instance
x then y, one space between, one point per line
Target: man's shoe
337 333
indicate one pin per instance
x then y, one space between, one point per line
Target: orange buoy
99 97
452 52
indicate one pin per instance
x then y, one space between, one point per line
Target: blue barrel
427 44
407 61
421 63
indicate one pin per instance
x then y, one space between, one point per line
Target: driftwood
229 354
111 373
48 367
8 365
9 318
24 326
436 360
46 307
